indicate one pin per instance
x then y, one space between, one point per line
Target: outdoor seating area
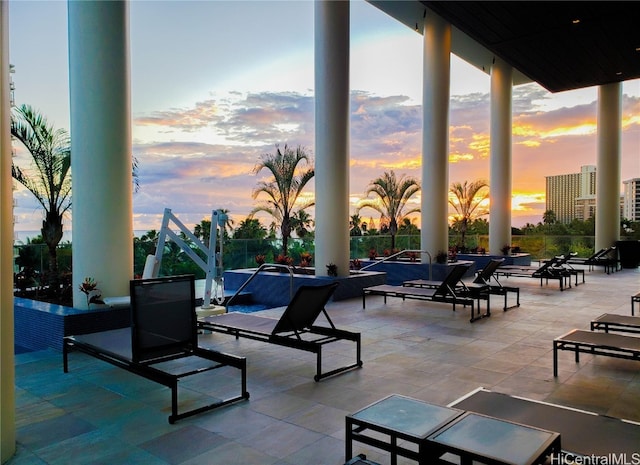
297 328
162 343
408 349
548 270
451 290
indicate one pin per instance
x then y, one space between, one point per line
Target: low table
476 437
396 418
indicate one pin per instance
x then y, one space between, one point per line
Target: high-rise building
573 195
631 199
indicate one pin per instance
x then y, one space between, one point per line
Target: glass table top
406 415
491 437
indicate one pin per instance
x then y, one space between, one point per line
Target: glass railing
247 253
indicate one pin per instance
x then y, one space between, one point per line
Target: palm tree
284 190
49 178
250 228
301 222
356 225
392 195
467 202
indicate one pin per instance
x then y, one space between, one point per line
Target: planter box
522 259
272 288
40 325
399 271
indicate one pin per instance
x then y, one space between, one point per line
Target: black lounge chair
544 272
563 264
634 298
617 323
594 343
448 291
487 275
162 342
584 434
607 258
295 329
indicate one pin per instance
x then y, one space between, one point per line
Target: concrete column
331 20
608 165
7 358
434 235
100 146
500 157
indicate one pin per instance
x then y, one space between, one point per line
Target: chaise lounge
448 291
617 323
162 342
595 343
546 272
584 434
485 277
295 329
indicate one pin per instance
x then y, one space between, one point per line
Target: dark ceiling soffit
540 40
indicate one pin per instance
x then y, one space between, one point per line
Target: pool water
247 308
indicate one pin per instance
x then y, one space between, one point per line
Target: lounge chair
295 329
563 263
487 274
162 342
546 271
617 323
448 291
634 299
589 342
607 258
585 434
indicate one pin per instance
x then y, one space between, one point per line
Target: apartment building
572 195
631 199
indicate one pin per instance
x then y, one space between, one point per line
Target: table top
500 440
400 414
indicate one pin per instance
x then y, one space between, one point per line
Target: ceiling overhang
559 45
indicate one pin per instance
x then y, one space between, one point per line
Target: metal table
385 422
480 438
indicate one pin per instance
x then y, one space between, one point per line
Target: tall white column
7 359
434 235
500 157
608 165
100 146
331 21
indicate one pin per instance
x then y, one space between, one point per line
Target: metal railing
398 254
261 268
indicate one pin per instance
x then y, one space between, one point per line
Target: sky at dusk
216 84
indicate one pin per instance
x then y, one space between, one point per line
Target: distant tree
549 217
48 179
250 228
301 222
467 198
289 180
391 196
356 226
407 227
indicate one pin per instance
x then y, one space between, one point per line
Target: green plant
332 269
284 260
89 287
441 257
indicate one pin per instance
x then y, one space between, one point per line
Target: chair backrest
484 276
305 307
451 280
163 317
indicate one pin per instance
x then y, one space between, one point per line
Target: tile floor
99 414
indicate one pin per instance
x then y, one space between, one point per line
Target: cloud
385 134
